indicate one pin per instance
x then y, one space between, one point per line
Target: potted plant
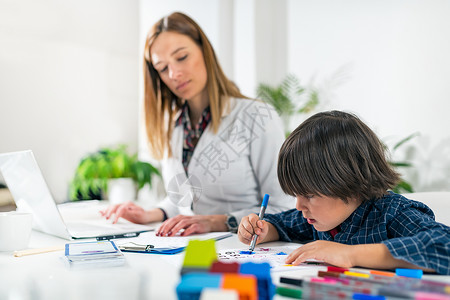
289 98
403 186
98 175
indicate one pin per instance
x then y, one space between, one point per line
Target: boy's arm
372 256
284 226
418 239
377 256
290 226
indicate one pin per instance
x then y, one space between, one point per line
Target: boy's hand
251 225
330 252
372 256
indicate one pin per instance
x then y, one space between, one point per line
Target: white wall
69 70
387 61
68 80
395 56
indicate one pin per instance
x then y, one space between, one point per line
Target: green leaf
140 174
286 97
403 187
406 139
400 164
119 165
311 104
73 190
104 167
86 169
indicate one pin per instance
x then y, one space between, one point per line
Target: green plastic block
200 254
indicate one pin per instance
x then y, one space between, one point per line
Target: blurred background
70 71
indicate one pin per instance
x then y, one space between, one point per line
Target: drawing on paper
275 256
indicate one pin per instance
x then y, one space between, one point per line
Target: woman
218 149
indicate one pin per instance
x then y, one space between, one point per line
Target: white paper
91 248
275 256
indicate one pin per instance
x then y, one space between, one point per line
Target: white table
146 276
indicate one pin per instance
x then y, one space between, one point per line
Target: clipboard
136 248
164 245
149 249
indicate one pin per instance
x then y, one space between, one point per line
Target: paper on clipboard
165 245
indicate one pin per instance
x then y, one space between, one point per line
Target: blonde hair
161 104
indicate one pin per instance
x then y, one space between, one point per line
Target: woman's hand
330 252
251 225
130 212
192 225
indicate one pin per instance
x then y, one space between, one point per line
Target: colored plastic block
245 285
200 254
186 270
220 267
266 289
192 284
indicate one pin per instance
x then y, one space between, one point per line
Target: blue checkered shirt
406 227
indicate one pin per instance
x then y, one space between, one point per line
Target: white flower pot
121 190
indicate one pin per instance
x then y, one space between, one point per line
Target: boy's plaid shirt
406 227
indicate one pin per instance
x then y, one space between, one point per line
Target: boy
335 166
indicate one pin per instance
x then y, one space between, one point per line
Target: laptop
69 221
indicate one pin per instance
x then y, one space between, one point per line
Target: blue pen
261 215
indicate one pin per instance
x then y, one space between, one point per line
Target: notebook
31 193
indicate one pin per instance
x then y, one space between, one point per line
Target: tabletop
145 276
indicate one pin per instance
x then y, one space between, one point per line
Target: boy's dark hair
335 154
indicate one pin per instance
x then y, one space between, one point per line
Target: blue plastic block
192 284
261 270
266 289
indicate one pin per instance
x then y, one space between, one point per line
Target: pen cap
265 200
413 273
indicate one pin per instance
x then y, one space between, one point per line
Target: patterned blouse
191 135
